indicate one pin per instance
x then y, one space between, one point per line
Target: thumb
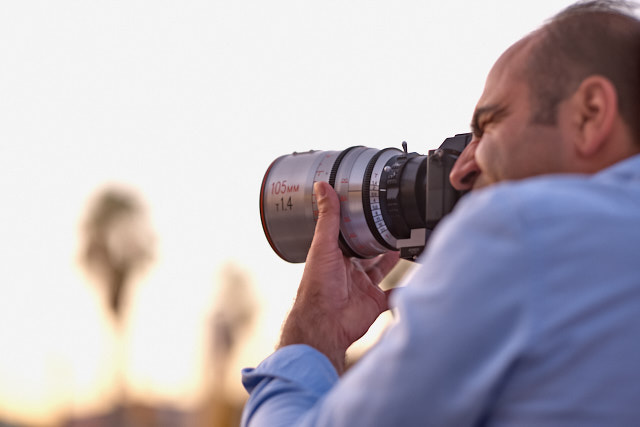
328 224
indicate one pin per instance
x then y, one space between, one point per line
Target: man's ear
595 111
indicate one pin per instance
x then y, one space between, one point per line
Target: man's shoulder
566 200
506 200
538 197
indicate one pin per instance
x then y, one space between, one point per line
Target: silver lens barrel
288 207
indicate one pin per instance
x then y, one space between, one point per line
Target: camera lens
384 198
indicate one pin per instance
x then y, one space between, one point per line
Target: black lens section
402 190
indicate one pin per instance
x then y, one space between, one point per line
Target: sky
187 103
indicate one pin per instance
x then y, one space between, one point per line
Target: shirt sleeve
286 385
462 322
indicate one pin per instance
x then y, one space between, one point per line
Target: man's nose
466 170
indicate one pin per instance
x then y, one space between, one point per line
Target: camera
390 200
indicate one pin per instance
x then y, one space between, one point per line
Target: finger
387 295
375 276
383 264
377 268
328 224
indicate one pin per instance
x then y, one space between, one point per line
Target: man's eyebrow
493 109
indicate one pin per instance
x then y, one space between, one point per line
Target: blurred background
135 279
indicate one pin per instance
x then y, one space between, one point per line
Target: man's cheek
483 180
488 160
483 156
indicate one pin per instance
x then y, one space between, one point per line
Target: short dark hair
599 37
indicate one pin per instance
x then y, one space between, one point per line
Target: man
526 308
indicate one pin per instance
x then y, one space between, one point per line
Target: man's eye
483 123
478 126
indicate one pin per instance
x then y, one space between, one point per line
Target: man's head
566 98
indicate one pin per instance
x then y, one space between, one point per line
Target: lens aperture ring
371 196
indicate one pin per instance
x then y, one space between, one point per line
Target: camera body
389 199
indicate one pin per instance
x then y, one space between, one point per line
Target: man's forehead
513 61
508 71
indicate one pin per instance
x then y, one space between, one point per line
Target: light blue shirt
524 312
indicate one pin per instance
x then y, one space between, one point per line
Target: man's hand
338 298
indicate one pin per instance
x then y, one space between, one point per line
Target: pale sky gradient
189 102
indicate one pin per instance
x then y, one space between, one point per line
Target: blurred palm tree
234 310
118 242
232 319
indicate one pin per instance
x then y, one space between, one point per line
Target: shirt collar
627 169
